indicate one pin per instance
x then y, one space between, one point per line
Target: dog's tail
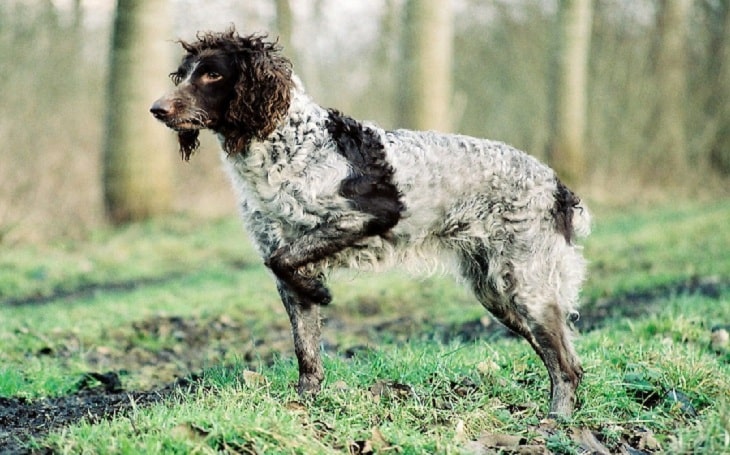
570 214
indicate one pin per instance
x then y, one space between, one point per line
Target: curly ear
262 94
189 142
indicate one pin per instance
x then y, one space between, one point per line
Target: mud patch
160 349
22 420
637 304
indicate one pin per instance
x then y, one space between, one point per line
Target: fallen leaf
254 379
322 428
104 350
489 443
487 367
378 440
392 389
377 443
475 448
647 441
719 340
295 406
459 432
226 321
588 441
340 385
188 431
494 440
360 448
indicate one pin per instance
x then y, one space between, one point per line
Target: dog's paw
309 385
314 292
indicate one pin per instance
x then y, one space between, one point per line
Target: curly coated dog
318 190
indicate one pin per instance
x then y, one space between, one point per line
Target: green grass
634 251
115 302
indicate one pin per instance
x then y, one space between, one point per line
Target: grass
162 299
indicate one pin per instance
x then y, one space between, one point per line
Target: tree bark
720 79
138 153
566 150
285 27
671 74
426 73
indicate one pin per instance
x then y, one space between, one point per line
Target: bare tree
426 73
719 77
566 150
670 61
138 153
285 27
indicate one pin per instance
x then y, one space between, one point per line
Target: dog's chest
293 188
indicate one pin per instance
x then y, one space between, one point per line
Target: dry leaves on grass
189 431
254 379
376 444
392 390
489 443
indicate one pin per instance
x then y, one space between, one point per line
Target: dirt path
101 396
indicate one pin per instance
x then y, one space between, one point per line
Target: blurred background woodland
628 99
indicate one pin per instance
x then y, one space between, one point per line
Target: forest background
650 108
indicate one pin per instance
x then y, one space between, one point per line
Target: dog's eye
212 76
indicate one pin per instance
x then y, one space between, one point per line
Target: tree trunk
720 79
426 73
671 74
566 150
138 151
285 27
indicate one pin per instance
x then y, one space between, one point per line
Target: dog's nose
161 109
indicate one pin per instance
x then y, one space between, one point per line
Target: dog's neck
304 117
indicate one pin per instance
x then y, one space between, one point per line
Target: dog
319 190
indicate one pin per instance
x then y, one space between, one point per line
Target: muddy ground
195 342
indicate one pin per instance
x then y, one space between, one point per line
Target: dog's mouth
178 117
182 125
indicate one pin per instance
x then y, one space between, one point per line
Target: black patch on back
565 202
370 185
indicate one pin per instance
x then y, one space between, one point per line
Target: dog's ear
189 142
262 94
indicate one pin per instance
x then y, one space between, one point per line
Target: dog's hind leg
542 324
553 344
306 328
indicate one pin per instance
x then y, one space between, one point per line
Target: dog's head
238 86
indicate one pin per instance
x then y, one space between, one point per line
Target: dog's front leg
305 325
288 261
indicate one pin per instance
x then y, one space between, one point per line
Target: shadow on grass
84 290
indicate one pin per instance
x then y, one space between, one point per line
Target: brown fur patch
565 202
262 94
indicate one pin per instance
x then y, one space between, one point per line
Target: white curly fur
319 190
288 184
463 197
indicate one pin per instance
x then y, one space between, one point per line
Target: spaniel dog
318 190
